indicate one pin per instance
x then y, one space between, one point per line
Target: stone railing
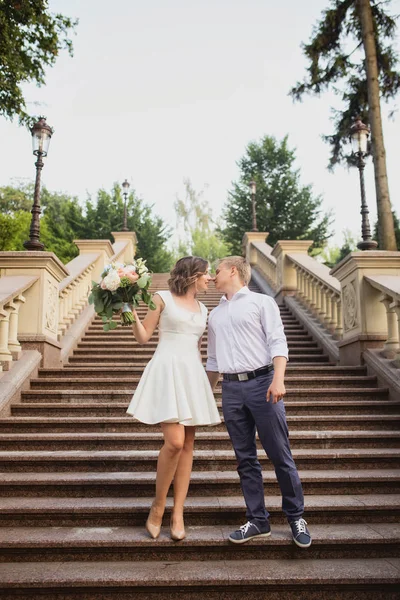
318 291
351 308
57 295
389 288
12 290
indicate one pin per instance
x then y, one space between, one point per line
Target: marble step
217 511
202 483
341 540
319 423
203 460
35 405
204 441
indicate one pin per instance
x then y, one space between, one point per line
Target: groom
247 344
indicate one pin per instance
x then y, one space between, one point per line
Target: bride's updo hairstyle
185 273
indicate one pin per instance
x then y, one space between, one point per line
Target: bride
174 389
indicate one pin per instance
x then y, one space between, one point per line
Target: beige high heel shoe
153 530
177 534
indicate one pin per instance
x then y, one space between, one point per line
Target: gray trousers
246 410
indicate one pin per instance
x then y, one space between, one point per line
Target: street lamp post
359 133
41 134
253 187
125 187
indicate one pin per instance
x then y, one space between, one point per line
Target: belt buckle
243 377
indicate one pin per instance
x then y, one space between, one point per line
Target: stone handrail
389 288
73 291
266 262
12 288
318 291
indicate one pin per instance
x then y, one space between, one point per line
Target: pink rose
133 277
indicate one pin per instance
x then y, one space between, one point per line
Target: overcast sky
162 90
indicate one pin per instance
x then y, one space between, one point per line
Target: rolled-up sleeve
211 364
273 328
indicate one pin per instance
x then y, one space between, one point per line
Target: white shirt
245 333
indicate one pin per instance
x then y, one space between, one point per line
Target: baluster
392 342
13 344
396 306
339 324
5 354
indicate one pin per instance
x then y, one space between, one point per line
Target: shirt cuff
212 365
280 350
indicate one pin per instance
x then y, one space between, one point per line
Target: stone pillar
249 251
364 316
100 249
286 274
38 316
130 239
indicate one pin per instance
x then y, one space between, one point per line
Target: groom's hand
276 391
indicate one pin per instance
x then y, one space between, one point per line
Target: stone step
202 484
34 544
212 510
204 441
231 579
126 423
203 460
113 359
77 406
315 370
68 380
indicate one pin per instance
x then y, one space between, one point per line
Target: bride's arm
144 330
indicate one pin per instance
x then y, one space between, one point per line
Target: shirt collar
243 291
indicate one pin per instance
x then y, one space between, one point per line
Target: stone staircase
77 478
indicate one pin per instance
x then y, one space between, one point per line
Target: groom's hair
243 267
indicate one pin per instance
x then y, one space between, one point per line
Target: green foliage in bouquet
121 287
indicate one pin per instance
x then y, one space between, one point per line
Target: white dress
174 387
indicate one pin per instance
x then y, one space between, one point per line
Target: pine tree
285 208
361 75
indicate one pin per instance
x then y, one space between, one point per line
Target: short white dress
174 387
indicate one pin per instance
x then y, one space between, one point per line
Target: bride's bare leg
174 439
182 479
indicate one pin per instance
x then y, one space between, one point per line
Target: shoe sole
302 545
244 540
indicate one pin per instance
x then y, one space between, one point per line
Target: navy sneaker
249 531
301 535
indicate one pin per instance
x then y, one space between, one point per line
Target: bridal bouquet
122 285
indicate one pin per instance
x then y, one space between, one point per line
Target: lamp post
125 187
41 134
253 187
359 133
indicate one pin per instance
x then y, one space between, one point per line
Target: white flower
112 281
131 268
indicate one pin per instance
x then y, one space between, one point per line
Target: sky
159 91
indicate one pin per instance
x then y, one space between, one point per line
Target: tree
202 237
31 38
365 77
396 223
285 208
105 216
332 255
64 220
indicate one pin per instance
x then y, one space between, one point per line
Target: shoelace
244 528
301 526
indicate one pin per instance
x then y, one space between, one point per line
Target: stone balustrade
389 288
318 291
12 290
56 296
357 302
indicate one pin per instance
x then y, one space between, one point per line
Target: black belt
248 375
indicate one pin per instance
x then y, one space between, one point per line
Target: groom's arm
212 365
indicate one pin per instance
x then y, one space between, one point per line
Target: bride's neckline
193 312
